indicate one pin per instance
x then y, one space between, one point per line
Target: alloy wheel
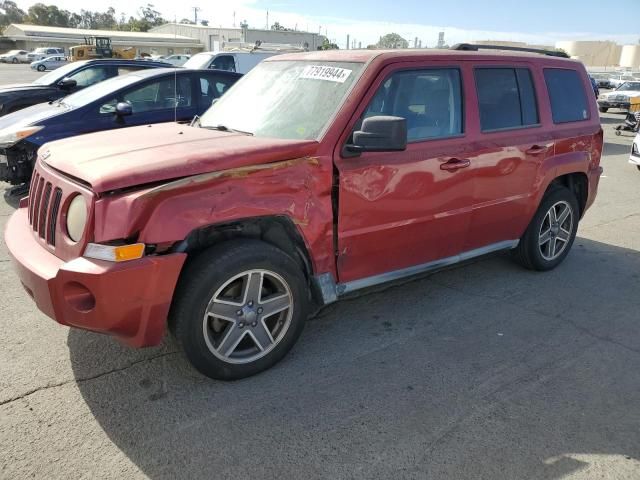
248 316
555 231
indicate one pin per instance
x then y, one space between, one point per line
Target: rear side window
567 95
506 98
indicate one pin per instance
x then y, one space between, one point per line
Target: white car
175 60
240 62
634 159
43 52
617 80
620 97
14 56
49 63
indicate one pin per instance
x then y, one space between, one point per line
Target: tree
50 15
186 21
10 13
392 40
327 45
204 23
276 26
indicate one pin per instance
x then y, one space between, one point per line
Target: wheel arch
577 183
277 230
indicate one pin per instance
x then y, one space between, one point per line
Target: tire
638 167
530 252
217 280
14 60
41 68
603 109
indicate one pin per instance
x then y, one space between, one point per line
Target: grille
44 207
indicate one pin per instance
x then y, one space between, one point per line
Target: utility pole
234 19
267 28
348 44
195 14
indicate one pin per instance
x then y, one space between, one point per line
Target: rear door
510 143
401 209
210 86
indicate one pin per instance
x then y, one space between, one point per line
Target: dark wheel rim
555 230
248 316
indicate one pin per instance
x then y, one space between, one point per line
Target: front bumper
609 104
128 300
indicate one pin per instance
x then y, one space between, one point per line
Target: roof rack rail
469 47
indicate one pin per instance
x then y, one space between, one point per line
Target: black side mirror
67 83
380 134
124 109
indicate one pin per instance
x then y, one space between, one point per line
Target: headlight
76 218
11 136
602 97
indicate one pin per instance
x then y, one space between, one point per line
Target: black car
139 98
66 80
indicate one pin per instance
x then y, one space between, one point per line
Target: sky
533 21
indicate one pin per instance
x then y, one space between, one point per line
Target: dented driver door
402 209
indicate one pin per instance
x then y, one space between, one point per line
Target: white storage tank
630 57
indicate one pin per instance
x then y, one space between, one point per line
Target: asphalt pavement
485 371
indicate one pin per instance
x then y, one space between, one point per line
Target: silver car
49 63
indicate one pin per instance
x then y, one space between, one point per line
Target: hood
133 156
21 86
629 93
32 115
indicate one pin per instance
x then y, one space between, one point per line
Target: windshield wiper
224 128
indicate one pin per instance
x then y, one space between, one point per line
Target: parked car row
614 80
314 176
23 56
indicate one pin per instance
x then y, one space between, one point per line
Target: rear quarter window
567 95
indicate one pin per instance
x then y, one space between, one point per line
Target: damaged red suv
316 175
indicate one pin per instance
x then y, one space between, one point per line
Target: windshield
99 90
58 74
629 86
200 60
284 99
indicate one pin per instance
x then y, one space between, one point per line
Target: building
29 37
593 52
214 38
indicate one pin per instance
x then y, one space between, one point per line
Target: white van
240 62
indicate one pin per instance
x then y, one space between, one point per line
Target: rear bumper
594 180
128 300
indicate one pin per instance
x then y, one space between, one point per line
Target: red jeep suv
316 175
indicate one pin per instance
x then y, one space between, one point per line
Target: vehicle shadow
486 368
12 195
616 148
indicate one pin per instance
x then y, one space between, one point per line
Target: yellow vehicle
100 47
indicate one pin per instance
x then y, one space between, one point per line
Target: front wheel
239 308
551 233
41 68
603 109
15 60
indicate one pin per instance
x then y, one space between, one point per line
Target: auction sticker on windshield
320 72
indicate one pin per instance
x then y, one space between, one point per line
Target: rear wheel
638 167
15 60
603 109
551 233
239 308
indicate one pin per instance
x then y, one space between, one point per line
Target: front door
401 209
